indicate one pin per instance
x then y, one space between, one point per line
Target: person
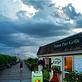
40 65
21 70
54 76
46 75
51 74
21 65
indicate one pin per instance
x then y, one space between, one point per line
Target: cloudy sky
25 25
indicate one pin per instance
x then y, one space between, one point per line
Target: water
15 81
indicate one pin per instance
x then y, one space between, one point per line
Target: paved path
14 75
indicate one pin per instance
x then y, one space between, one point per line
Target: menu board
37 76
78 63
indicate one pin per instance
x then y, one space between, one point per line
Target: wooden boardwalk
13 74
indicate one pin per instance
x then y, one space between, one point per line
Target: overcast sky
25 25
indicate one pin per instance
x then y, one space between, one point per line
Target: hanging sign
57 61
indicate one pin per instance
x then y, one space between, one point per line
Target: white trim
61 54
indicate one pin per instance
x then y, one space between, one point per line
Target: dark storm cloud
70 11
72 14
37 3
7 28
35 30
5 39
41 30
79 23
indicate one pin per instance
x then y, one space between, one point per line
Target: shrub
6 60
73 76
32 64
46 74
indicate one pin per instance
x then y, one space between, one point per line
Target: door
57 62
68 65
